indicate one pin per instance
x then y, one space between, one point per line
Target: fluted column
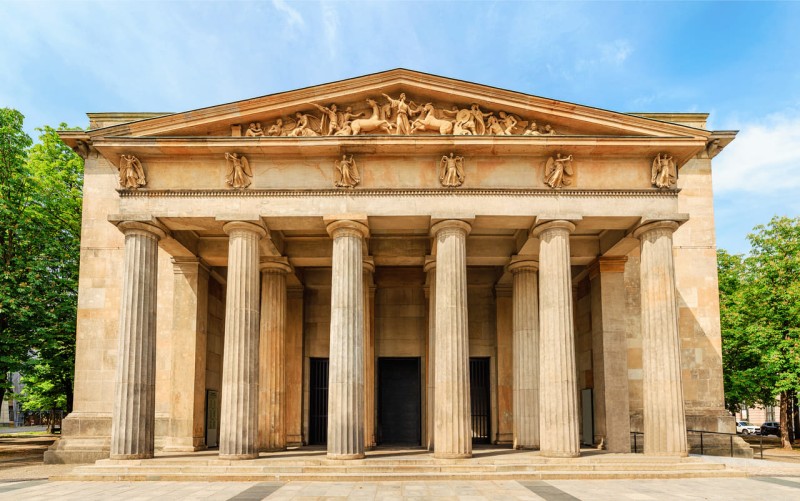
664 418
453 430
525 347
346 369
272 357
133 422
369 356
239 414
558 391
430 408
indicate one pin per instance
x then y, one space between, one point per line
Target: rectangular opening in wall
479 386
318 402
399 397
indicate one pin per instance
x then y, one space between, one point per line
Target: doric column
525 345
189 339
664 418
452 400
133 421
558 391
272 357
369 355
346 369
609 353
239 414
430 408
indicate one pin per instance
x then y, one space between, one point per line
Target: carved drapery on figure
558 170
401 116
663 172
451 171
239 174
345 172
131 172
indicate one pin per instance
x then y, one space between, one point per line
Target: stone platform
309 464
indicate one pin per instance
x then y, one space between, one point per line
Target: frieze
399 116
404 192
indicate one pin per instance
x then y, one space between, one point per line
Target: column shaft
526 355
453 430
272 357
133 422
664 418
369 357
430 418
239 413
558 395
346 369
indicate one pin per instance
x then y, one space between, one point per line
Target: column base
345 456
85 438
183 448
452 455
556 454
667 454
237 457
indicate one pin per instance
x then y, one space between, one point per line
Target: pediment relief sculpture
239 174
663 172
131 172
451 171
345 172
400 116
558 171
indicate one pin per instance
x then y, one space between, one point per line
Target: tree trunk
790 416
786 443
2 396
796 415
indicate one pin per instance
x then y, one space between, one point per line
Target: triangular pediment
454 110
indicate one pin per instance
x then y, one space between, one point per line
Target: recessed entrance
399 401
479 399
318 402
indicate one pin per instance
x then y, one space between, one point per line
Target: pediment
453 108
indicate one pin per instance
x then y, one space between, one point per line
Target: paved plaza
783 488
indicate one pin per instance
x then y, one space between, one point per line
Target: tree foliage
760 316
40 217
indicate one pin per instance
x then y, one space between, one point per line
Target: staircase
487 464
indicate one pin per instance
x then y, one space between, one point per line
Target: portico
432 288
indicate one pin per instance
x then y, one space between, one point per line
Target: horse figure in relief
375 122
430 122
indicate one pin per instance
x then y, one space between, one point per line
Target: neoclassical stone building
398 258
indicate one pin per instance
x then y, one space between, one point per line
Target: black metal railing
638 434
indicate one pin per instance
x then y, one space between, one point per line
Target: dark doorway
479 398
318 402
399 401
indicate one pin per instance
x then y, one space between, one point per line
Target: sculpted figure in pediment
306 125
532 130
346 173
493 127
512 124
464 124
548 130
429 121
451 171
254 130
239 175
402 111
375 122
131 172
330 119
480 125
277 129
558 170
348 116
663 171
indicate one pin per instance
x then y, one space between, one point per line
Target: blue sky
738 61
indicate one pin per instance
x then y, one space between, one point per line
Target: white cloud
615 52
293 16
764 158
330 22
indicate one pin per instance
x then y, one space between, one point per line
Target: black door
479 398
318 402
399 401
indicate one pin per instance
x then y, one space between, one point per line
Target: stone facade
514 255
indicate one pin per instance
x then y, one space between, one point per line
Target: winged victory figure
451 171
346 172
662 173
558 170
131 172
239 174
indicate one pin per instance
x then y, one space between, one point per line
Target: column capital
669 225
274 265
235 226
522 263
152 229
451 225
552 225
346 228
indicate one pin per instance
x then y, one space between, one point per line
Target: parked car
746 428
771 428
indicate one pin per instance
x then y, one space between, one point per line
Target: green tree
760 316
15 246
